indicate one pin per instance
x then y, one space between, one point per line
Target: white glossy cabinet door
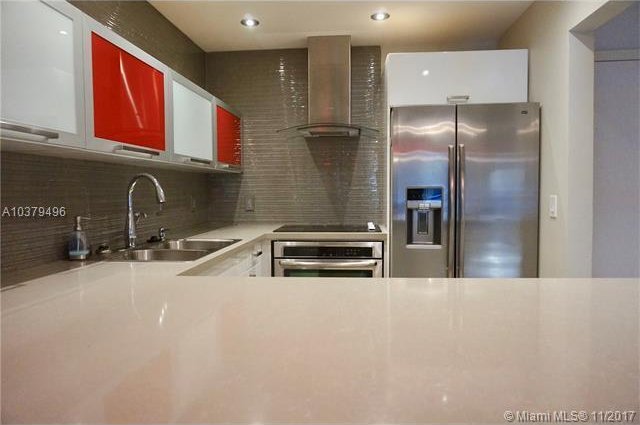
265 260
41 72
248 262
193 122
438 78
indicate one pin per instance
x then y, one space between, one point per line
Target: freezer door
422 141
498 179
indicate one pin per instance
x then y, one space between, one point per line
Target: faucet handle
160 237
139 215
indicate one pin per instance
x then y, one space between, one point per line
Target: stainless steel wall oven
327 259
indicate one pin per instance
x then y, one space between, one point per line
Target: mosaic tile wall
94 189
291 179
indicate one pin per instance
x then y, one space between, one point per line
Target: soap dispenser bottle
78 244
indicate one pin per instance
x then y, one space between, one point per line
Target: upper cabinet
126 96
193 122
69 81
438 78
228 136
41 72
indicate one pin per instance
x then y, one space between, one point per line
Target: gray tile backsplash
291 179
94 189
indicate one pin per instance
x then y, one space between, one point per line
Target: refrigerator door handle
460 211
451 254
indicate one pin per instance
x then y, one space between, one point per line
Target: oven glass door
327 273
327 268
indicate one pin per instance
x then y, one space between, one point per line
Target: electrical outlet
553 206
250 203
194 204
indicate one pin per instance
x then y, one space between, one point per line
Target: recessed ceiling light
250 22
63 32
425 72
380 16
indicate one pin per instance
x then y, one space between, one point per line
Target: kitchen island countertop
136 343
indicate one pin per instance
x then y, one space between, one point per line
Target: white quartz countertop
136 343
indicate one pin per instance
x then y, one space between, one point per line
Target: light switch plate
250 203
553 206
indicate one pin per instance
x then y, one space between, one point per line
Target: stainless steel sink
157 255
172 250
210 245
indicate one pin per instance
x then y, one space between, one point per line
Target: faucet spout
130 235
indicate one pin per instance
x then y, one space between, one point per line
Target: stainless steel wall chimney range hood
329 84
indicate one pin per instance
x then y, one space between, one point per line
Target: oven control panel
327 249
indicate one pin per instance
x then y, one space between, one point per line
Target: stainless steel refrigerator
465 190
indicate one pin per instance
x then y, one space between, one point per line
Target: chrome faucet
130 225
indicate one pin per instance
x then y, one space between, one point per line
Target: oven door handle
305 265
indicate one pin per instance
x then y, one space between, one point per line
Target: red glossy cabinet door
128 97
229 135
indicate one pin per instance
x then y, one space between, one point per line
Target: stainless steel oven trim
375 266
278 246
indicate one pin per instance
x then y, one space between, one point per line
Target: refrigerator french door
465 190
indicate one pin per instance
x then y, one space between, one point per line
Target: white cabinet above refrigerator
439 78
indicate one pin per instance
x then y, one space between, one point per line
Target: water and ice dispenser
424 215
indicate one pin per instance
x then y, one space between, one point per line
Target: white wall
616 210
561 79
616 218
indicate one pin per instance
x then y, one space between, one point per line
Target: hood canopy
329 84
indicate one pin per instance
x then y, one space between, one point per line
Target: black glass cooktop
347 228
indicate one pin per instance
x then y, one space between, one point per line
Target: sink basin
211 245
174 250
158 255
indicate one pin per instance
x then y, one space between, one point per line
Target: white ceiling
418 25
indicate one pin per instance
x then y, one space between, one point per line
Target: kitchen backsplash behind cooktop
290 179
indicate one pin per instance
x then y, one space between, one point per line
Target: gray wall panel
93 189
291 179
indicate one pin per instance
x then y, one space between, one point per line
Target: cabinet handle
329 265
29 130
257 253
198 161
458 99
137 152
